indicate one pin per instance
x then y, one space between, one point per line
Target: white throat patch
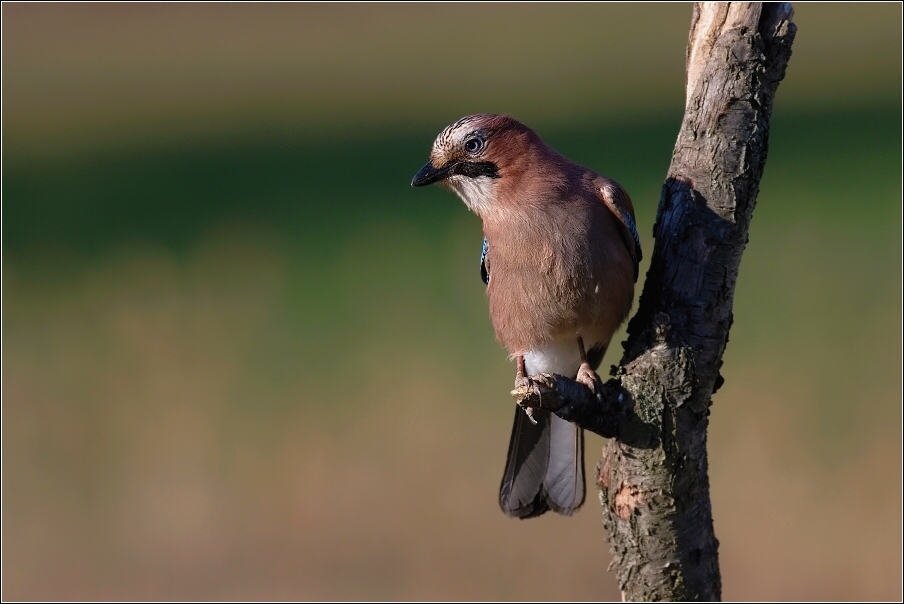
476 192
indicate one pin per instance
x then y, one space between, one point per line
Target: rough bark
652 478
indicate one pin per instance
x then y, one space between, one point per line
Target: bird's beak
429 175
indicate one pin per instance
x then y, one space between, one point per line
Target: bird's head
472 155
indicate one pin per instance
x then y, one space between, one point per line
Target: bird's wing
484 266
618 202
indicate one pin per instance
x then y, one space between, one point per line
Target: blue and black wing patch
484 269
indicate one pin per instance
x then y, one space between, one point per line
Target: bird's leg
586 374
522 380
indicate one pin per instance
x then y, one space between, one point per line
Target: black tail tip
537 507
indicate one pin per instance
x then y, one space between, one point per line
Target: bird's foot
586 375
589 378
525 388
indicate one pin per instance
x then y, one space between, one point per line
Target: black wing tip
596 354
637 252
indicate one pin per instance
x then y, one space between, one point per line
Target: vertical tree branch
655 495
652 478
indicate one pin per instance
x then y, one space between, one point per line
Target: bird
560 258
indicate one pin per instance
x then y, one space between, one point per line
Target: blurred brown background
242 359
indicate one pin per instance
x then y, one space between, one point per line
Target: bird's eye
473 145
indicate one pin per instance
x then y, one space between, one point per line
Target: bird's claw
589 378
523 392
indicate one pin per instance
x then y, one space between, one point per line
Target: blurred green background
243 359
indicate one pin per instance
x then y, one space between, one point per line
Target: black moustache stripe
473 169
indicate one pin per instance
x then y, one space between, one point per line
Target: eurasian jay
560 259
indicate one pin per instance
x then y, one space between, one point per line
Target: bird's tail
545 467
